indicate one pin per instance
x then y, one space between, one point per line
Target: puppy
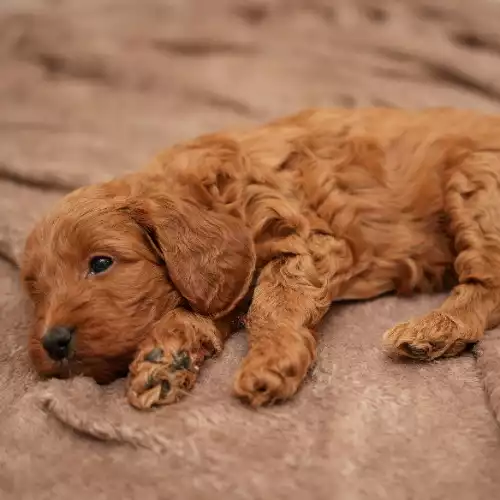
149 273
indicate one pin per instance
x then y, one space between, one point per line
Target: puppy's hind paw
435 335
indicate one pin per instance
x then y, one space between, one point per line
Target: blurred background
93 88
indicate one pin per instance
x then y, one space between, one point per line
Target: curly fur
321 206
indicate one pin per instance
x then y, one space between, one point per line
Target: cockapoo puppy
149 273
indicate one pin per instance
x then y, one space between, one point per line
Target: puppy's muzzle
57 340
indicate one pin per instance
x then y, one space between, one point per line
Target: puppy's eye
100 264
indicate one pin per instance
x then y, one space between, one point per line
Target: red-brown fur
322 206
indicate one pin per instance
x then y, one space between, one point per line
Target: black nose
56 341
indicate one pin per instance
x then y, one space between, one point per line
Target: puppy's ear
210 257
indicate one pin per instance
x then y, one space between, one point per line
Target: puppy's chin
103 371
43 365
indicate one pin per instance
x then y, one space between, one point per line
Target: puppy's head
107 264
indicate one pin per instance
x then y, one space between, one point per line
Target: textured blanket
91 89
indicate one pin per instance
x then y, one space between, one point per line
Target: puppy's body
322 206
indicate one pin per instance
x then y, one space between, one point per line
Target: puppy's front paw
432 336
159 376
266 377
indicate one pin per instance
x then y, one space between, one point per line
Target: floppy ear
210 257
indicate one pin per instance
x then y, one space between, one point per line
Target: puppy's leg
461 320
288 301
168 361
472 203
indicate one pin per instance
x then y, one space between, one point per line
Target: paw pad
165 388
154 356
181 361
415 351
150 382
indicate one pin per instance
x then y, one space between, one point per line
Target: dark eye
100 264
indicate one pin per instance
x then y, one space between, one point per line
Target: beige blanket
93 88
